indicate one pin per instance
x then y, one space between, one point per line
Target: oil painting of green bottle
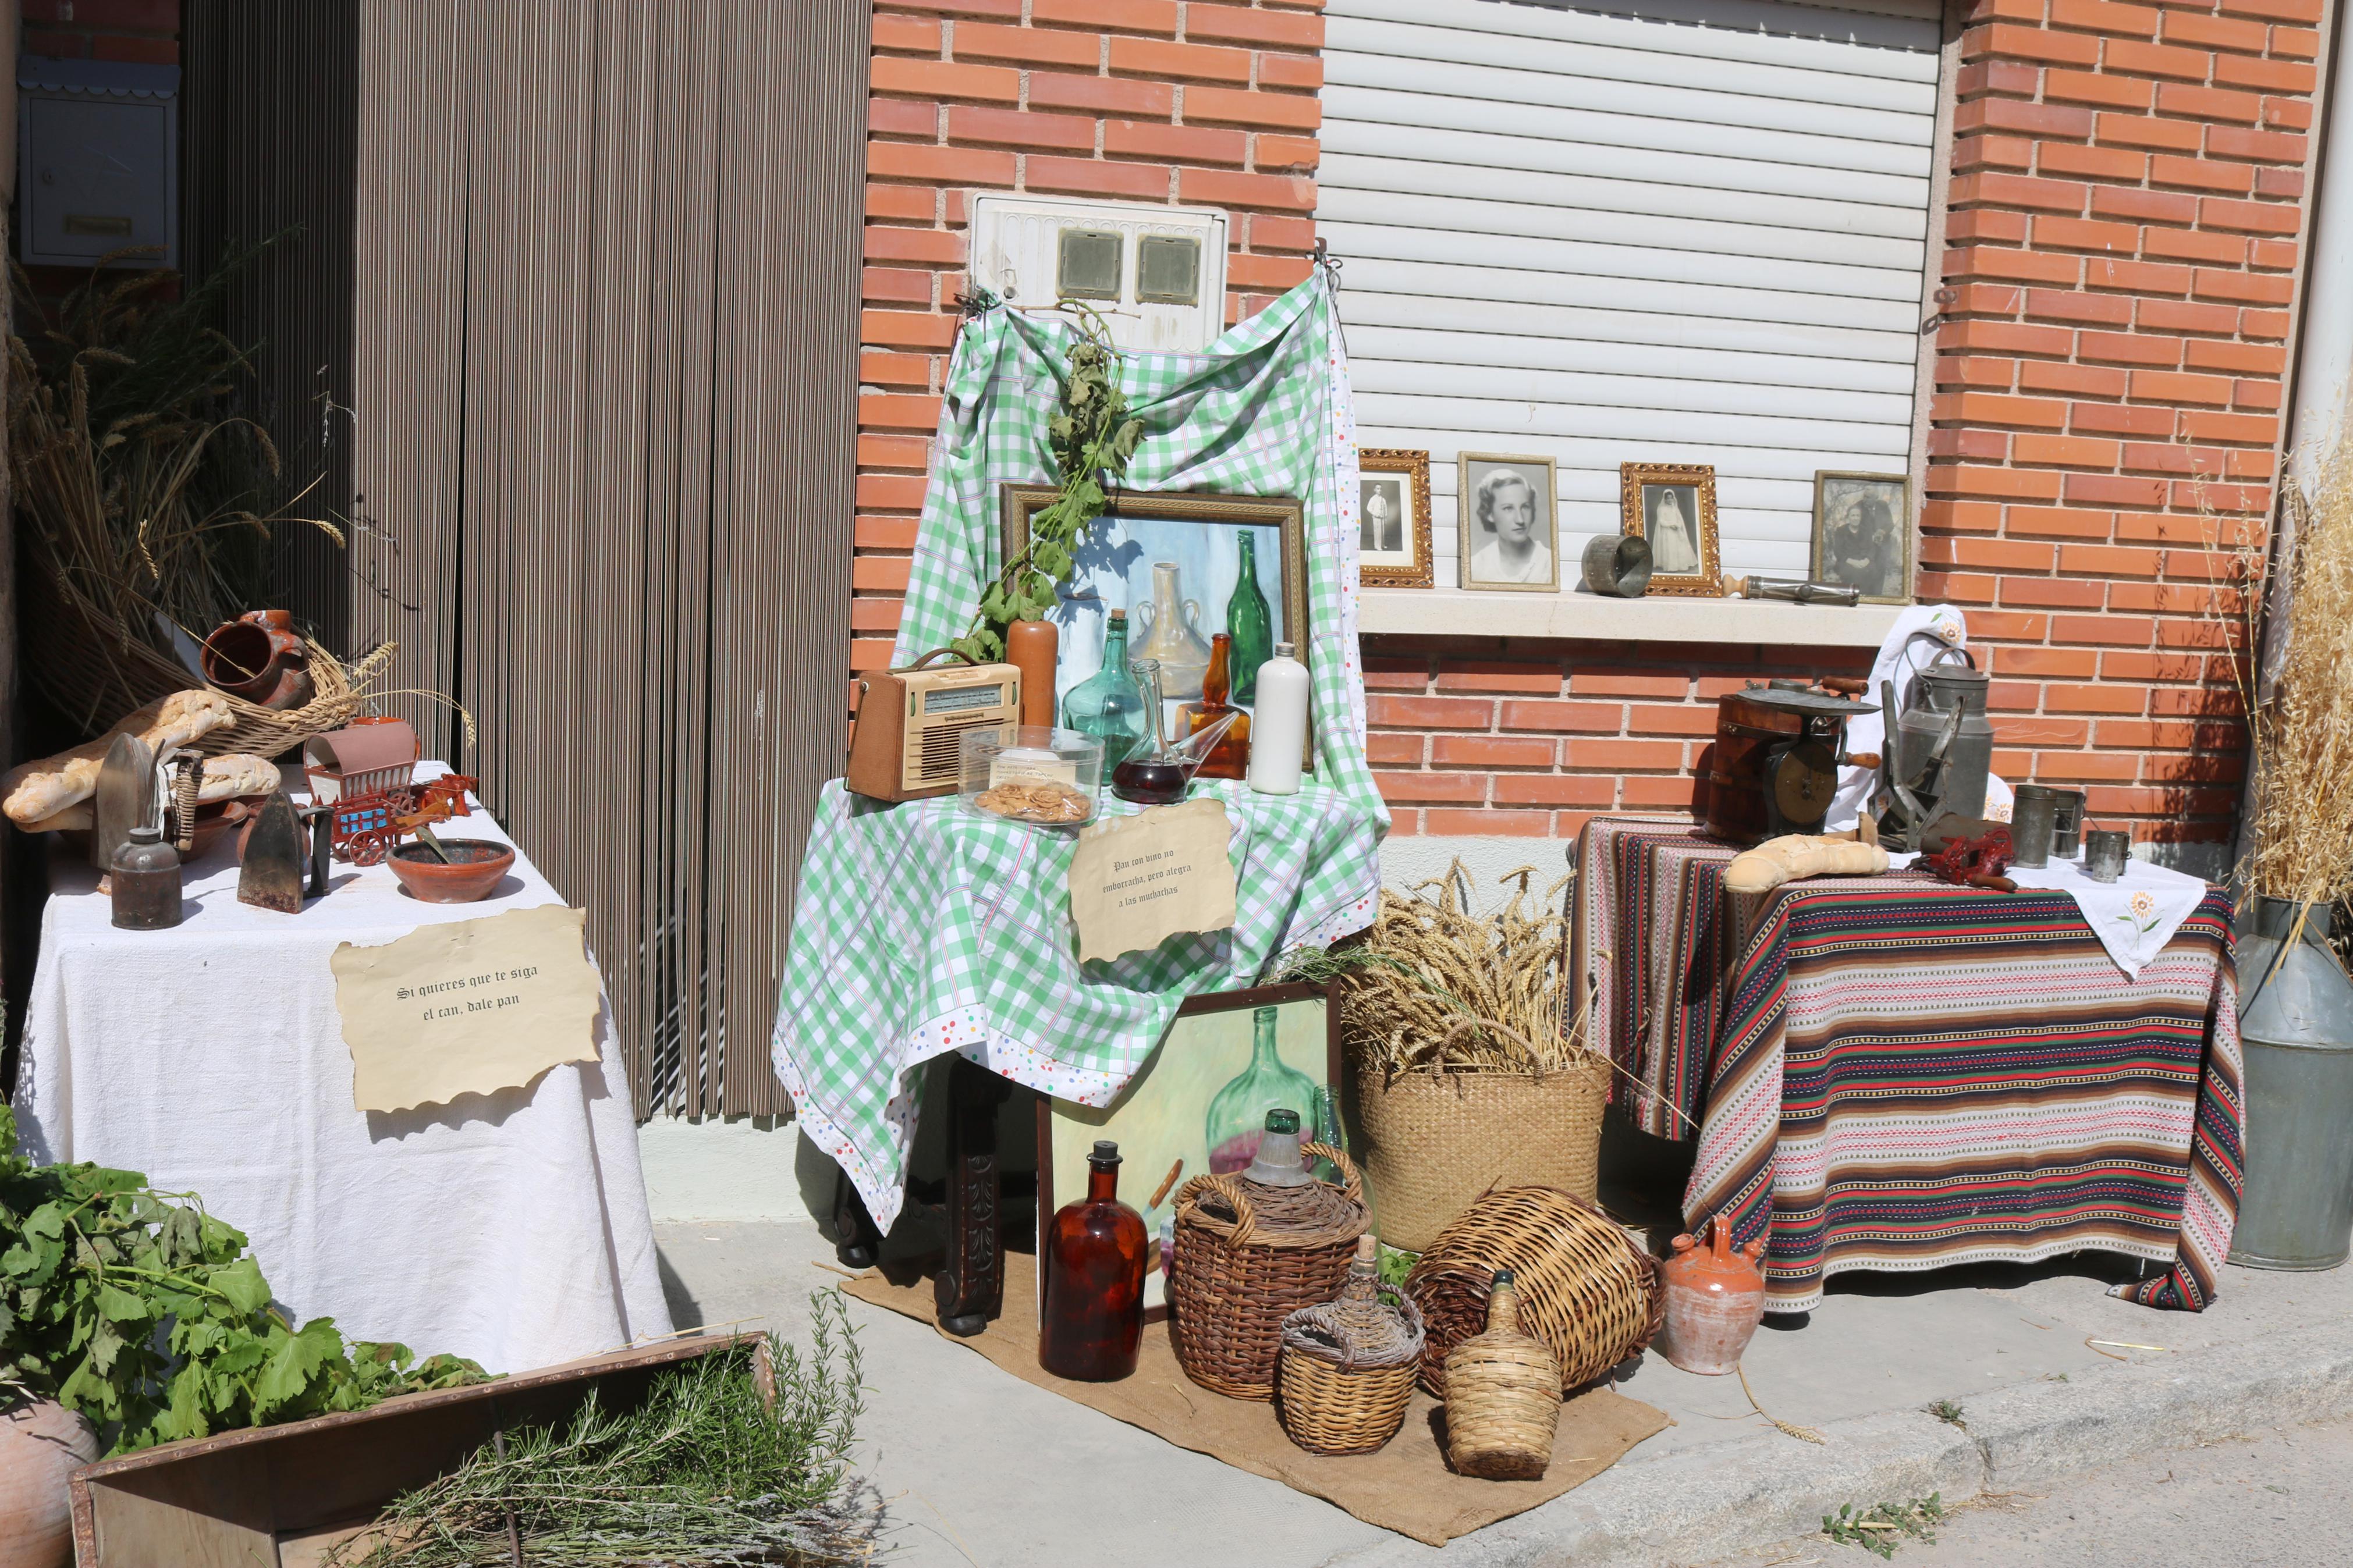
1238 1111
1250 623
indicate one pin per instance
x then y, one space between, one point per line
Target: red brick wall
145 31
2121 248
1209 104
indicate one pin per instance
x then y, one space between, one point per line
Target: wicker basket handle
1229 1188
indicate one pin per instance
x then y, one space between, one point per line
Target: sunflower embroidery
2140 911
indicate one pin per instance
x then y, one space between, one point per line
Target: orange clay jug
1715 1297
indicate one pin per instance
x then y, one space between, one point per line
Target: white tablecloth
510 1227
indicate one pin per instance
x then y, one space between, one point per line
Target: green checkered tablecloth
922 928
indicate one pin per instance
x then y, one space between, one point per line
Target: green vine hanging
1093 436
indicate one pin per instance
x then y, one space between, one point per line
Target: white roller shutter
1675 231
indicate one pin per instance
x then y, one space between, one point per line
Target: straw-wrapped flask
1503 1394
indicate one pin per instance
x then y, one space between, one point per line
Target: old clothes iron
1777 750
277 860
125 798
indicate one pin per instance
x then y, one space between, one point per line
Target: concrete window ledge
1451 611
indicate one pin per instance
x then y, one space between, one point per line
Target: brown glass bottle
1230 758
1092 1254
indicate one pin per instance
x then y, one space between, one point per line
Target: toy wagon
365 829
368 757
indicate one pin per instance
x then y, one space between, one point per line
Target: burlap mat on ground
1405 1487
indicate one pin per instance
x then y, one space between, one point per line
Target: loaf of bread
236 774
1797 855
31 792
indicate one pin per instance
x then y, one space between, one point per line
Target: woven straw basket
1586 1288
1348 1366
90 671
1435 1141
1246 1260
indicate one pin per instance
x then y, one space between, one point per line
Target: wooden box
280 1496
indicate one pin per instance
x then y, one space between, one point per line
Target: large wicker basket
1434 1141
93 673
1247 1257
1586 1288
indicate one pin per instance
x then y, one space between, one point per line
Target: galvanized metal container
1936 693
2295 1019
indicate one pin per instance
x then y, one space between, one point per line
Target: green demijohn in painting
1237 1112
1251 624
1107 705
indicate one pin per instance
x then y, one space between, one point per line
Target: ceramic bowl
478 865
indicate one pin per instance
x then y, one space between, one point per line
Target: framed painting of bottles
1157 576
1199 1104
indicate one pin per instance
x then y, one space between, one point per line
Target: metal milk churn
2295 1024
1940 691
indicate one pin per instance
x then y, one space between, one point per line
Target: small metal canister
1617 565
2030 825
146 876
2066 823
2104 853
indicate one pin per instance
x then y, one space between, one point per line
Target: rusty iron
276 864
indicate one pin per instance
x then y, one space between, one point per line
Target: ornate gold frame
1415 466
1708 581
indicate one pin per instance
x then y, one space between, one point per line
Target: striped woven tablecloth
1913 1075
1656 936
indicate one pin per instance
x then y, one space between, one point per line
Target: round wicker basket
1247 1257
1503 1400
1586 1288
1347 1367
1435 1141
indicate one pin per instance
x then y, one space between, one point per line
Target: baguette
236 774
31 792
1797 855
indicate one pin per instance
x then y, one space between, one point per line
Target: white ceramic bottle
1279 723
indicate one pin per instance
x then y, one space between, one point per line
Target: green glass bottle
1238 1113
1107 705
1249 622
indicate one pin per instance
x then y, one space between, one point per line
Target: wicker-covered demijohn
1247 1257
1347 1366
1586 1287
1502 1403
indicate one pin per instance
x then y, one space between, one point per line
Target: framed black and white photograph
1671 508
1506 529
1393 518
1862 534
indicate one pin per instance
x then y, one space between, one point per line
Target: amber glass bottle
1230 758
1092 1253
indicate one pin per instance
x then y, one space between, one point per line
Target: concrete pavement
980 1468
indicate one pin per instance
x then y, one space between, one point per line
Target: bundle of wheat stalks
1433 985
2301 732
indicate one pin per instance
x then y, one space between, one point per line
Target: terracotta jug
1714 1299
41 1442
258 657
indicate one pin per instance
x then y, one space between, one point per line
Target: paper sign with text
468 1007
1136 882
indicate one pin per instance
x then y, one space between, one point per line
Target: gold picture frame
1840 501
1475 470
1405 475
1138 527
1644 489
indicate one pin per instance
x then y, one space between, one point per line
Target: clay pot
258 657
1715 1297
480 863
40 1444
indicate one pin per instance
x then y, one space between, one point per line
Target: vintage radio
911 722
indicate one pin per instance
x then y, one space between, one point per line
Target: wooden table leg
970 1290
858 1240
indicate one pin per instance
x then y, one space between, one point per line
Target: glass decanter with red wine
1156 772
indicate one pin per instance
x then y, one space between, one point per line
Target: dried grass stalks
2300 725
1434 987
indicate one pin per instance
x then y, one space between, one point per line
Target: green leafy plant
1947 1410
142 1312
711 1468
1093 436
1879 1529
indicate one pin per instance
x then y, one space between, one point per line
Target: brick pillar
2122 245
